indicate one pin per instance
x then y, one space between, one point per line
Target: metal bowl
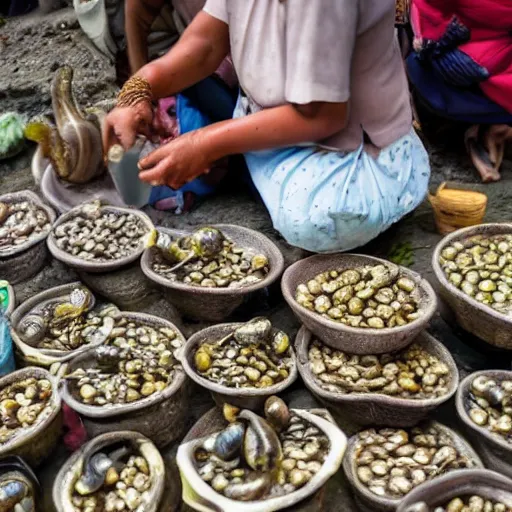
375 408
355 340
216 304
473 316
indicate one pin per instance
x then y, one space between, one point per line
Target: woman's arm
197 55
192 154
139 16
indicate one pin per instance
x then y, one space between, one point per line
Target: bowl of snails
120 471
240 364
209 272
133 381
484 405
56 325
397 389
252 463
359 304
474 269
25 223
94 237
384 465
472 490
31 414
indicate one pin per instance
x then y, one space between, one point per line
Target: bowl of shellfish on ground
359 304
30 412
25 222
99 238
470 490
134 381
484 405
58 324
397 389
208 273
120 471
19 487
384 465
241 364
261 464
474 269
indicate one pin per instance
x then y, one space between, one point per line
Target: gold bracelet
135 90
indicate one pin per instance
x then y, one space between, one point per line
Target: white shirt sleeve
320 40
218 9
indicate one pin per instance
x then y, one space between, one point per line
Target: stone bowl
466 482
216 304
374 408
200 496
246 398
474 317
29 355
369 502
355 340
22 262
97 266
161 416
37 442
72 468
494 450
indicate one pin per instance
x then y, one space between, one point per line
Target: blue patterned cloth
327 201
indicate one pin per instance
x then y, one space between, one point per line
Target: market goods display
252 355
136 362
207 258
412 373
375 297
481 267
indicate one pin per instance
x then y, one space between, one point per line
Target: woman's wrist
136 90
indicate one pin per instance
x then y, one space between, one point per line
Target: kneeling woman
323 119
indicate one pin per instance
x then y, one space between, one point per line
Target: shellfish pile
94 234
207 258
490 405
66 325
481 267
20 222
136 362
256 459
250 356
21 405
371 296
114 482
412 373
391 462
473 504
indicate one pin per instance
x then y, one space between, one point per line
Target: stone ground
33 47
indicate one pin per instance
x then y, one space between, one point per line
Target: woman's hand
177 162
123 125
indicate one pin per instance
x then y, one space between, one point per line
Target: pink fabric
490 23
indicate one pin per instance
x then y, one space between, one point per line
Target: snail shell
253 332
277 413
94 475
32 329
207 242
229 441
11 493
253 488
262 448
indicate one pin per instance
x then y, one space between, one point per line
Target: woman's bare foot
486 147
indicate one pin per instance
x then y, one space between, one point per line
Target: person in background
461 70
323 118
211 100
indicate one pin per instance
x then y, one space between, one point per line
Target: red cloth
490 45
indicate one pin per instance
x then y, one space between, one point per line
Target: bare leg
486 149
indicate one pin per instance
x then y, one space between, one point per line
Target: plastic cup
124 171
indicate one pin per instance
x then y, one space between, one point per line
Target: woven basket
456 208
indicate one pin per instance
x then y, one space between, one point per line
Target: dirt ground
33 47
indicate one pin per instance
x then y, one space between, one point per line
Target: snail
74 145
262 448
228 442
277 413
255 486
202 243
253 332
